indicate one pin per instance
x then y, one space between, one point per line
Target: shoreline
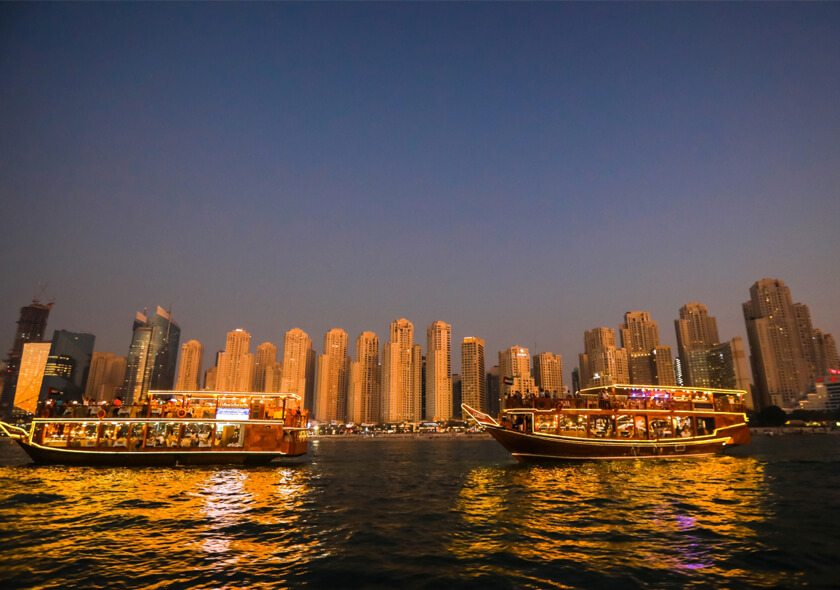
405 436
793 430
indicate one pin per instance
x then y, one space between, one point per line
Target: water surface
430 514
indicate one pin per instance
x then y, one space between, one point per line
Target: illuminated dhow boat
172 428
620 422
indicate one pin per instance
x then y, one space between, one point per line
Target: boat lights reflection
253 515
667 516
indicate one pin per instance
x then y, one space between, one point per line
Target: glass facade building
68 365
152 355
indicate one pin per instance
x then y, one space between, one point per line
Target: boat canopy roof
660 391
200 394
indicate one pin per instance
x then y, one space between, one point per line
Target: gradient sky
522 171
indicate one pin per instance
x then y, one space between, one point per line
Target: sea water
432 513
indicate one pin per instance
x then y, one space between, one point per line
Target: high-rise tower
166 338
780 369
548 373
515 372
265 364
438 372
363 405
398 391
473 378
299 366
189 371
66 373
650 362
602 363
151 356
31 325
333 375
236 363
697 333
106 376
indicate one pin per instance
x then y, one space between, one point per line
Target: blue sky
522 171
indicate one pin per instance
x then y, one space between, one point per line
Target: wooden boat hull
544 447
124 458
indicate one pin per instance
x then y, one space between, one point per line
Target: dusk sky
522 171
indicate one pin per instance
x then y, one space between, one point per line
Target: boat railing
723 403
179 411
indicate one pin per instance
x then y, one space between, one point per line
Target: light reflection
223 519
267 499
690 516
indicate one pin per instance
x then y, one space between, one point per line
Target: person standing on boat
117 405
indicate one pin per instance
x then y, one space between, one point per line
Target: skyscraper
696 333
515 372
650 362
333 377
473 377
398 390
364 400
66 373
166 337
152 355
33 363
602 363
826 352
548 373
299 366
818 347
782 347
727 366
438 372
189 370
31 325
494 391
210 378
265 364
236 363
274 378
418 380
106 376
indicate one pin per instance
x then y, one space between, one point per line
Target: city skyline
524 172
789 355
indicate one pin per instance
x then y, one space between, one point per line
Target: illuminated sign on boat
232 413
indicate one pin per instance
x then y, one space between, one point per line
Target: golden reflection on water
233 517
268 498
689 516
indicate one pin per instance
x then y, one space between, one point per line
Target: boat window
683 426
601 426
135 439
84 434
197 434
624 423
230 435
163 434
54 435
640 423
705 425
661 428
114 434
156 435
546 423
572 424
